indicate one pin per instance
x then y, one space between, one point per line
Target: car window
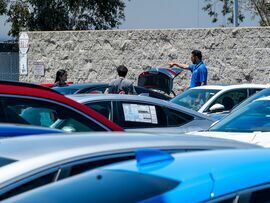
254 91
103 107
230 99
177 118
46 114
260 196
82 167
260 94
140 115
253 117
194 98
5 161
38 182
97 90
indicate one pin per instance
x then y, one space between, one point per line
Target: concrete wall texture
232 55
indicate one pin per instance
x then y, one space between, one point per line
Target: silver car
141 113
30 162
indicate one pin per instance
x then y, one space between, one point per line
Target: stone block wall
232 55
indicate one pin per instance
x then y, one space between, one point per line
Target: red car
50 85
31 104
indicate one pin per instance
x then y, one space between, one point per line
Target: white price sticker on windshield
140 113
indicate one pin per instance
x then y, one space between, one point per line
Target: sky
159 14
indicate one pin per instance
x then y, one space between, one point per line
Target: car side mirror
217 108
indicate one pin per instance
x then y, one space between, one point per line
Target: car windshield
260 94
253 117
194 98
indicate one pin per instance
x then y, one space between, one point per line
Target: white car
249 124
216 98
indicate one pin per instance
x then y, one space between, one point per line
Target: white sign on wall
39 68
23 64
23 47
23 42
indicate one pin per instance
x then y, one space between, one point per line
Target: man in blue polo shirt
198 69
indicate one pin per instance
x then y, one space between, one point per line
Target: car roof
40 152
227 87
28 89
84 98
41 145
196 180
224 167
81 85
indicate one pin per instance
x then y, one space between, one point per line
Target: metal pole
235 13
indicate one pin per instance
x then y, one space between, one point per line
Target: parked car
90 88
210 99
263 93
100 88
140 113
153 82
30 104
14 130
50 85
159 79
248 124
40 160
205 176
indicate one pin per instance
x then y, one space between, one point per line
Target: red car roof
27 89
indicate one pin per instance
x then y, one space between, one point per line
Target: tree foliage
50 15
3 6
260 8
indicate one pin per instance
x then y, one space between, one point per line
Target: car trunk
159 79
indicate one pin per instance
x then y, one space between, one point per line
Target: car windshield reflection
251 118
194 98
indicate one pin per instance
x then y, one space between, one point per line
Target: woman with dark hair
61 78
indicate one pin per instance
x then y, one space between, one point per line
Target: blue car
263 93
155 176
14 130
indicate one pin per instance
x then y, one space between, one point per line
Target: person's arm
180 65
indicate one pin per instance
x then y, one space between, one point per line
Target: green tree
260 8
50 15
3 6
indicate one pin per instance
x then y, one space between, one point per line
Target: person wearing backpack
121 85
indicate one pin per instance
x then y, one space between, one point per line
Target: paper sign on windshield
140 113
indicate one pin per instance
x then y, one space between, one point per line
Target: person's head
122 70
61 76
196 56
